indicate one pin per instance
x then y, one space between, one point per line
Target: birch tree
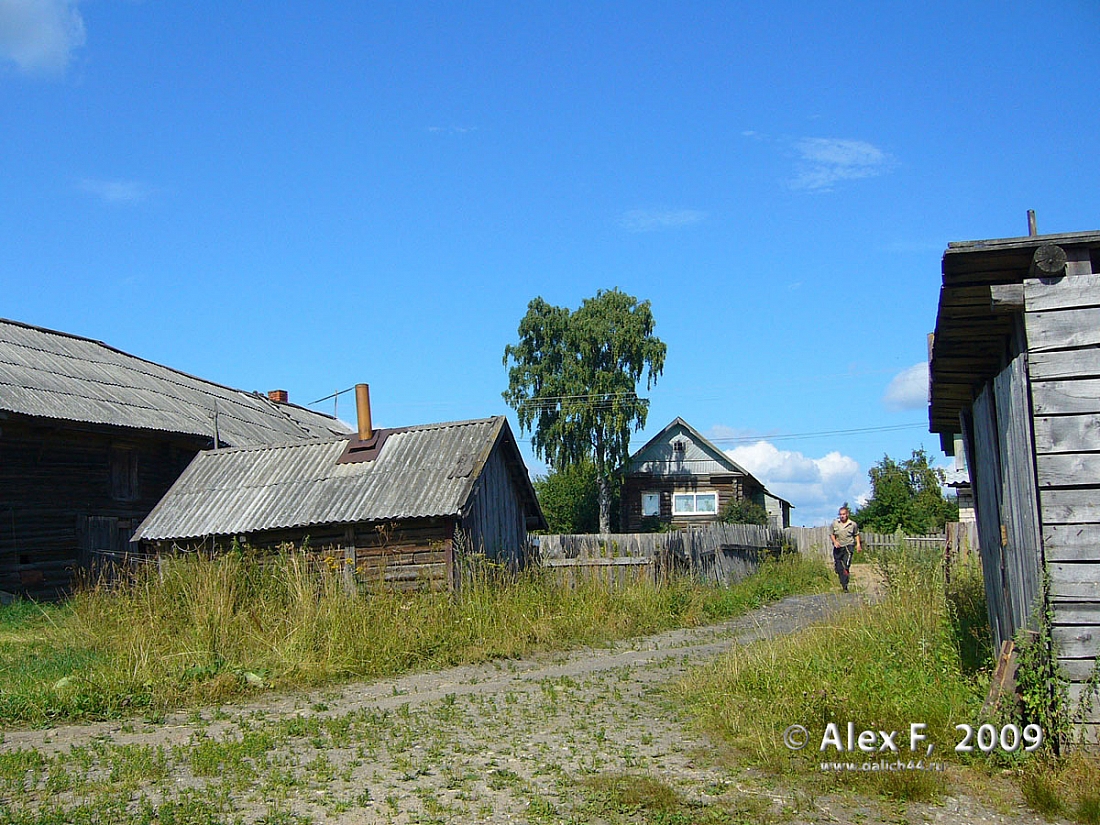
573 380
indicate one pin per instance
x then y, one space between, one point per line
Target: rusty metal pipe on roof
362 409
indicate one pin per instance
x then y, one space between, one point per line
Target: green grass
903 660
640 798
207 630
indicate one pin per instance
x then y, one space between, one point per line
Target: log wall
67 493
729 488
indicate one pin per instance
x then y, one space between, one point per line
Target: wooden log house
680 478
1015 369
91 438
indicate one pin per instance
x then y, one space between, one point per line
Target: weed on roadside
200 631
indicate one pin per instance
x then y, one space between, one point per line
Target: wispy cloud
908 390
115 191
39 36
452 130
655 220
826 162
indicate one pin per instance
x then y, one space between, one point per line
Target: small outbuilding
1015 370
679 477
400 504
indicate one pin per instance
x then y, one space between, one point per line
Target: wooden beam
1064 397
1069 293
1006 298
1068 470
1067 433
1070 507
1070 363
1049 261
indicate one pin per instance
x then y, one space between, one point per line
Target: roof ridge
108 347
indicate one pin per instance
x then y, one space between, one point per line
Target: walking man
845 536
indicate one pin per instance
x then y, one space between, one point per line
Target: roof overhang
972 334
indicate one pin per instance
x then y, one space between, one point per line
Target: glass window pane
651 504
684 503
706 503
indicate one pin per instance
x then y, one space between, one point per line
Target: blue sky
304 196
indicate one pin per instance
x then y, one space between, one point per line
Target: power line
751 439
787 436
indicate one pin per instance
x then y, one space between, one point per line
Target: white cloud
40 35
654 220
828 161
908 390
115 191
815 486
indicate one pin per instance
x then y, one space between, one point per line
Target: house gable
661 455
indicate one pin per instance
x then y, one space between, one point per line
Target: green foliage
743 511
573 376
1040 681
569 498
906 495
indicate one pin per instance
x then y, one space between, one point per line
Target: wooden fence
958 540
723 553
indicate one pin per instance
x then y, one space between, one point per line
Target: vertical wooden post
449 554
351 580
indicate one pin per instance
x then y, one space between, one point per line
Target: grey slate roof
421 471
55 375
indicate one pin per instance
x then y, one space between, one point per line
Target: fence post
351 585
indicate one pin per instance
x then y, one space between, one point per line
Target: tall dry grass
207 629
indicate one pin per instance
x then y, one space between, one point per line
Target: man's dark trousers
842 561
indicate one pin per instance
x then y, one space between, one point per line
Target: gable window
694 504
651 504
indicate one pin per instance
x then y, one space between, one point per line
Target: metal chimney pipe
1032 227
362 408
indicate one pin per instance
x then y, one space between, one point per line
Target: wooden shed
399 503
679 477
1015 369
91 438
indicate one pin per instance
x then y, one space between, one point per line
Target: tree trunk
604 491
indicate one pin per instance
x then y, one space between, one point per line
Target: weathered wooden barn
1015 368
681 478
91 438
398 503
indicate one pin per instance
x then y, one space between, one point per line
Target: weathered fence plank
723 553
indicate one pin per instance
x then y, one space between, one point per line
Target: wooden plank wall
1021 552
496 524
985 478
1062 319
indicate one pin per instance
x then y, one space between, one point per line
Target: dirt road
547 739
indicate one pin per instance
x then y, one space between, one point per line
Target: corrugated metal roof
699 456
420 472
49 374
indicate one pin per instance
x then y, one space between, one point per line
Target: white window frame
695 503
655 497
